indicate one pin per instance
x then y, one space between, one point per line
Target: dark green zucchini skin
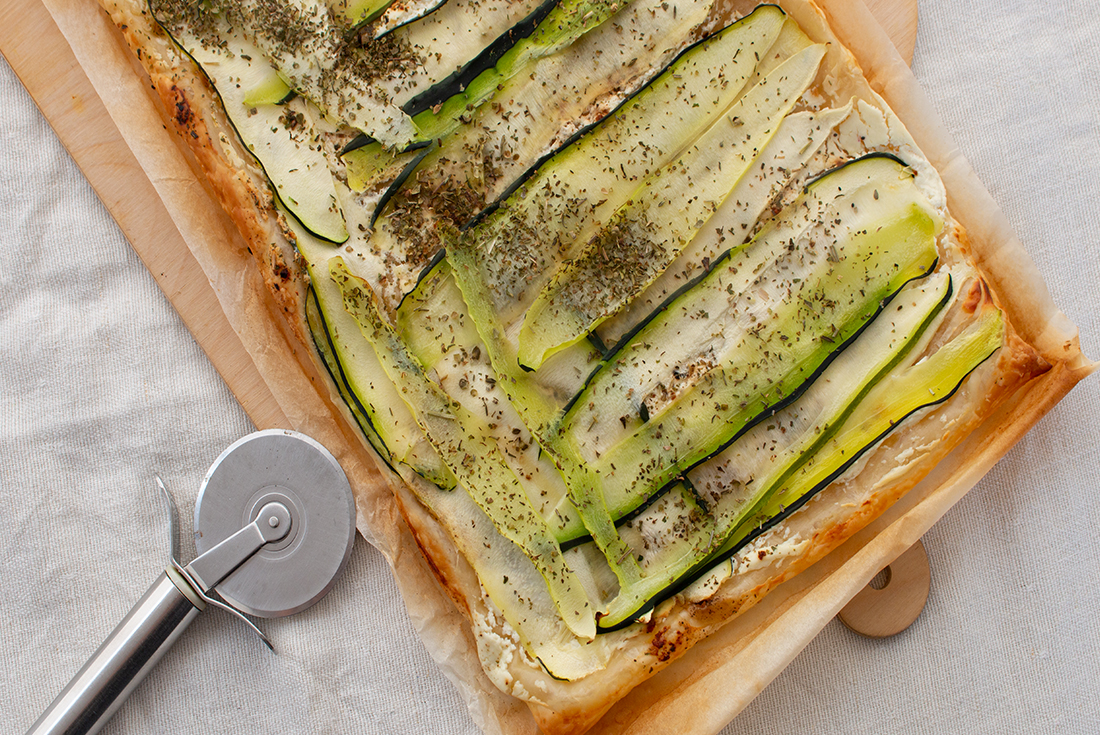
322 342
413 18
425 272
596 341
457 82
489 56
866 157
581 132
699 571
763 415
609 352
362 141
423 152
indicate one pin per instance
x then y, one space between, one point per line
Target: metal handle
128 654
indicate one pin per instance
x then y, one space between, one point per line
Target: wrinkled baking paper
744 656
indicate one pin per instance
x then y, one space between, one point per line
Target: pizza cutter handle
128 654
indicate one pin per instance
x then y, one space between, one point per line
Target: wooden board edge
899 18
46 66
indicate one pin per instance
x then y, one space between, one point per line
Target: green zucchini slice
910 390
435 326
283 139
899 395
911 387
359 12
800 136
567 21
676 536
322 342
751 335
649 231
360 373
578 188
471 453
373 168
268 89
386 16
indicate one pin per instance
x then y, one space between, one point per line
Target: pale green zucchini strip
649 232
439 332
357 12
927 383
555 212
733 484
361 370
470 453
786 155
266 89
289 153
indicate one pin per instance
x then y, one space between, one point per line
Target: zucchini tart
643 307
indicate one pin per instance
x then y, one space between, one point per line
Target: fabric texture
103 387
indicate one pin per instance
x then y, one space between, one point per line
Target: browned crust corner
448 567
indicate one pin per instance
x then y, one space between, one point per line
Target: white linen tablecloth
102 386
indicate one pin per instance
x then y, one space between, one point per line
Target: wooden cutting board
899 19
38 52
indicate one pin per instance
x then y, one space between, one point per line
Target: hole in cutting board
894 597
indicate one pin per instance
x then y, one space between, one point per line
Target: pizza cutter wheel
274 527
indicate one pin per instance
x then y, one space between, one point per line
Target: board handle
886 609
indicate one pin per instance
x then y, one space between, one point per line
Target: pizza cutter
274 527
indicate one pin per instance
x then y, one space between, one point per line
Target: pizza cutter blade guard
274 527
